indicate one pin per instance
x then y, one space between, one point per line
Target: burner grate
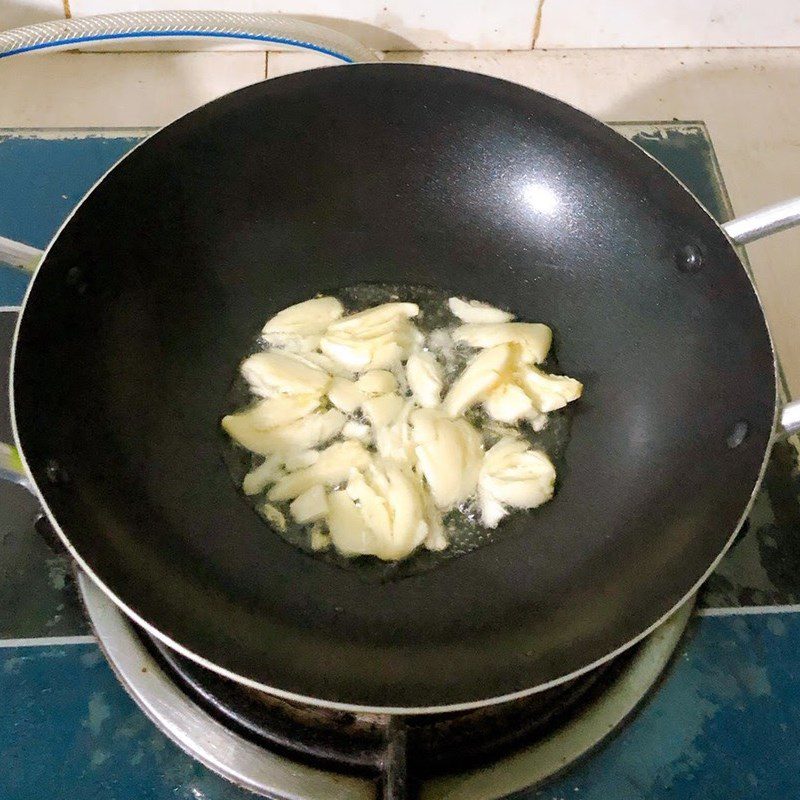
401 752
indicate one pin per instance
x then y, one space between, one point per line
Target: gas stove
705 706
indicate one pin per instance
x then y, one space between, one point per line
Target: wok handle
754 226
789 421
764 222
11 468
19 255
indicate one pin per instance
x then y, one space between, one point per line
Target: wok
152 291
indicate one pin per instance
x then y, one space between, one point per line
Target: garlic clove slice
310 506
388 354
320 540
345 395
267 472
512 474
300 459
304 434
423 422
377 381
291 342
274 516
349 532
375 316
273 373
481 375
533 338
475 312
508 403
549 392
491 510
424 375
384 410
308 317
471 458
332 467
357 430
322 361
372 505
409 529
450 459
353 354
281 410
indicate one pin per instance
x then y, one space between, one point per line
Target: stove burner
427 744
290 751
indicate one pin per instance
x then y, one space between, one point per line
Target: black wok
153 290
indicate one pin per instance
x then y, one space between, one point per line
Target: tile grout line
537 22
745 611
45 641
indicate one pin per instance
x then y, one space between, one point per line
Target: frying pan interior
155 288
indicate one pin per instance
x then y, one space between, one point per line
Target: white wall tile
285 63
676 23
15 13
381 24
117 90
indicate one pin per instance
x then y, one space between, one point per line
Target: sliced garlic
273 373
274 516
375 316
537 421
318 359
300 459
281 410
267 472
373 505
363 354
333 466
309 317
491 510
533 338
436 540
514 475
377 381
549 392
475 312
382 411
380 513
409 529
388 354
305 433
309 432
395 441
425 380
508 403
377 338
344 394
481 375
448 454
300 327
319 539
291 342
310 506
349 531
357 430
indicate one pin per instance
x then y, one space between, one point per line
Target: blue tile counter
723 723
